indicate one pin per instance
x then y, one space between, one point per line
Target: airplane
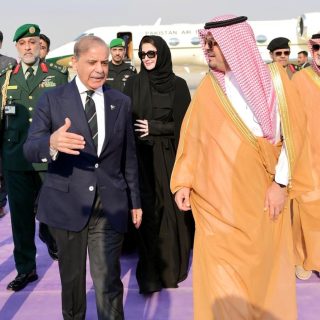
184 43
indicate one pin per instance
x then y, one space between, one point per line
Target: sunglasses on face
211 43
316 47
150 54
280 53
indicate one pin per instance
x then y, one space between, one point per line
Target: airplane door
127 37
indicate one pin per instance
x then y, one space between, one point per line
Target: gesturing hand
66 142
143 127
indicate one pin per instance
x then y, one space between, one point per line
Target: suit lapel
111 114
72 103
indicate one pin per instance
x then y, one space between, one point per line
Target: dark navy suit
68 198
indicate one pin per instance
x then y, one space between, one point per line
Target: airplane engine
307 25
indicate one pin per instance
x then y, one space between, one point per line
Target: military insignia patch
48 82
32 29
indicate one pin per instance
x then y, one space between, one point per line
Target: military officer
279 52
119 70
21 86
44 46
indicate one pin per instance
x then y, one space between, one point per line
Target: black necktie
90 109
30 75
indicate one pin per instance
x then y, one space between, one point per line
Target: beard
30 58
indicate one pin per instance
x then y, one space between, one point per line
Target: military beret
316 36
118 42
27 30
278 43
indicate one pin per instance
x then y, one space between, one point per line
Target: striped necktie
90 109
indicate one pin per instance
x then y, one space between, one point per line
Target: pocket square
112 107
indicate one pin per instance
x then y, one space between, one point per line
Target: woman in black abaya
159 102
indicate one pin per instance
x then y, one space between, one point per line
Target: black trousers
23 188
104 246
3 192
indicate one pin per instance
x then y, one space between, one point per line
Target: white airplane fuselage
184 43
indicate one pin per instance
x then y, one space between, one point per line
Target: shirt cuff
282 168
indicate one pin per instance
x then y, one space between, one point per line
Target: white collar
83 89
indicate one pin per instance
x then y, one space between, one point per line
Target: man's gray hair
85 43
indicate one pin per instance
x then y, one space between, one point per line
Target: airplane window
195 41
261 38
174 41
301 26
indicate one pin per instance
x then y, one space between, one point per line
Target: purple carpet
41 299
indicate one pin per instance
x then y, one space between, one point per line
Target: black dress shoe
21 280
51 246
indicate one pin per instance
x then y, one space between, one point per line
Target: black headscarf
161 77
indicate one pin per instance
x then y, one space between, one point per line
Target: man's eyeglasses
315 47
150 54
211 43
280 53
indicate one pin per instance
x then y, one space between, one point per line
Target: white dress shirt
240 105
98 99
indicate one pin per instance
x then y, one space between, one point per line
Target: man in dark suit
92 179
303 59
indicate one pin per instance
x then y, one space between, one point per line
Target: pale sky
64 20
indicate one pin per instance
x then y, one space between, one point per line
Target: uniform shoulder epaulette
57 67
4 71
297 67
293 67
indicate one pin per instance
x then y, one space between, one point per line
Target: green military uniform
119 74
19 98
